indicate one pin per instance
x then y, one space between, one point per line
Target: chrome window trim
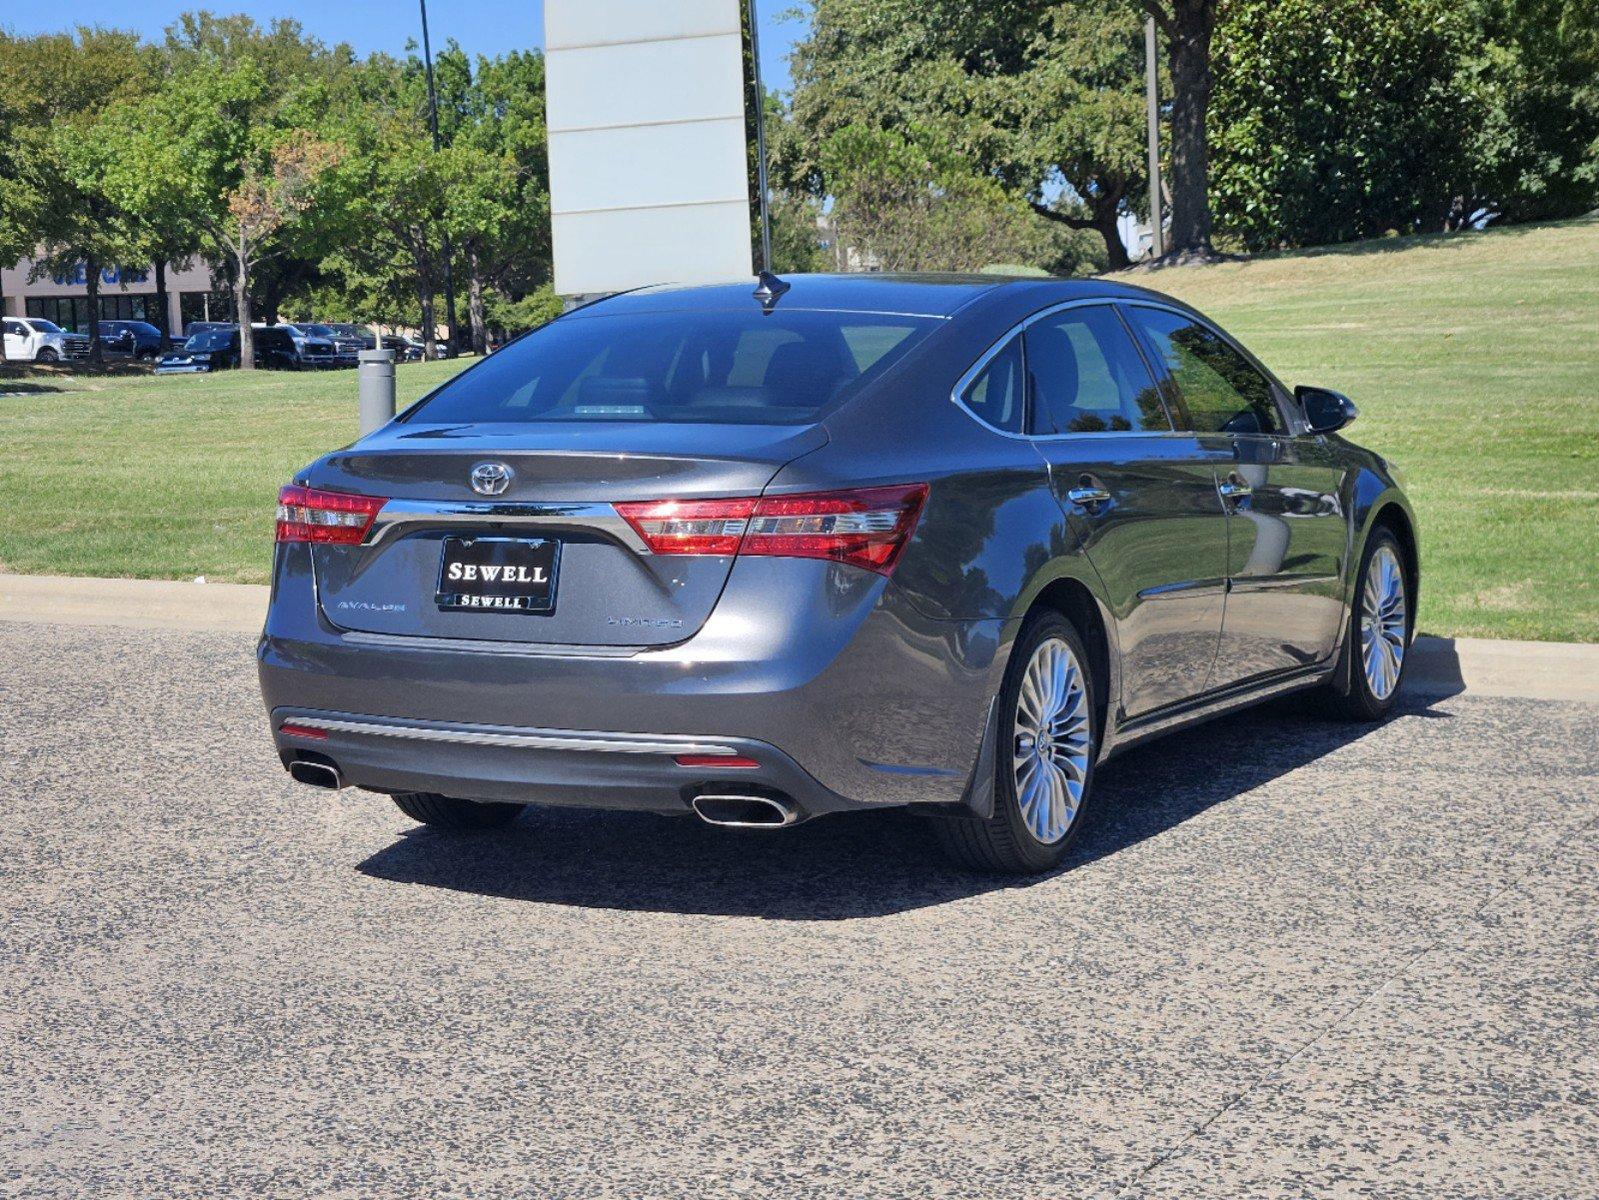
958 394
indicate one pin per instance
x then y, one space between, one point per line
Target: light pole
433 125
760 140
1157 242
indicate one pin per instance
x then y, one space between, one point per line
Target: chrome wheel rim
1050 763
1382 622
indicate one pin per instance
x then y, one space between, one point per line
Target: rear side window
997 395
734 367
1222 392
1088 377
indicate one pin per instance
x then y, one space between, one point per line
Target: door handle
1087 497
1233 489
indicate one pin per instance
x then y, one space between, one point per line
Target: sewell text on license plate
497 574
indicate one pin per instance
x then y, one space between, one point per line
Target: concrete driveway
1290 958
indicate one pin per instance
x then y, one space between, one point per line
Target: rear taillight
865 527
309 515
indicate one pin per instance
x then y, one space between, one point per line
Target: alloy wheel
1382 622
1053 738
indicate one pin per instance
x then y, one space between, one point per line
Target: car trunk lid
609 591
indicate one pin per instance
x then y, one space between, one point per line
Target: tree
1531 77
495 174
1338 119
237 159
62 90
904 203
1041 98
1188 26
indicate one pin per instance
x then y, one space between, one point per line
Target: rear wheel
1378 634
1044 760
446 812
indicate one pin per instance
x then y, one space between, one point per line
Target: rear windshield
740 368
215 339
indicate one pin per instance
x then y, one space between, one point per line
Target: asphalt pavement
1288 958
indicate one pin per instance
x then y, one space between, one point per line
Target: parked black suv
138 338
217 349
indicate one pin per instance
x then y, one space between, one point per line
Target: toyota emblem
490 478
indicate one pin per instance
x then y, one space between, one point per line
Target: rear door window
1088 377
1220 389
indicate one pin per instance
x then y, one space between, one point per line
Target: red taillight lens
309 515
865 527
689 526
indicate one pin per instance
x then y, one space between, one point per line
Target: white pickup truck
33 339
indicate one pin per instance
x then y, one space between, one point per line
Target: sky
480 26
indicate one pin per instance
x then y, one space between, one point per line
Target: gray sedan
840 543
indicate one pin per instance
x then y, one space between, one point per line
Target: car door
1141 495
1287 531
16 339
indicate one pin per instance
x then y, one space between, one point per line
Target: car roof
929 295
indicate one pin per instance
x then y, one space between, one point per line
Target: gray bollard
376 385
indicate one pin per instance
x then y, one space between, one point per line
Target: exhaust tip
317 774
744 812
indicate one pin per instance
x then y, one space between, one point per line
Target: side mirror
1326 411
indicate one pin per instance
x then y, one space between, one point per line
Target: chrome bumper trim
531 739
396 515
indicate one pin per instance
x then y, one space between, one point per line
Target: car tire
1036 813
446 812
47 354
1378 635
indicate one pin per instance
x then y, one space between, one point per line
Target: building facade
126 293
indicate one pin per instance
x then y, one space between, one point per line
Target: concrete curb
1438 666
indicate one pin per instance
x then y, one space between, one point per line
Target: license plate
489 574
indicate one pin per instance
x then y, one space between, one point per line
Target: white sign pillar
648 175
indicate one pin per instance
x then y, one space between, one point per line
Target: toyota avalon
838 543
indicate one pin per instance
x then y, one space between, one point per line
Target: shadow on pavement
851 865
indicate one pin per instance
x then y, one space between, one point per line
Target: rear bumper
543 766
822 674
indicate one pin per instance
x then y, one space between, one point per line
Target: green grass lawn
1474 360
166 478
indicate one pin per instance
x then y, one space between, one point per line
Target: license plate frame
494 595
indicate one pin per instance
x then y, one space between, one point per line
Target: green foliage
1335 119
1040 101
1533 77
1342 119
903 201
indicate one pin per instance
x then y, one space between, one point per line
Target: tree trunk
474 305
241 301
92 279
1192 24
429 333
1107 223
161 321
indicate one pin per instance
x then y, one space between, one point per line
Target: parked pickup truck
33 339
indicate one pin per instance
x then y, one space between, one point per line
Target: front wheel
446 812
1378 634
1044 757
47 354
